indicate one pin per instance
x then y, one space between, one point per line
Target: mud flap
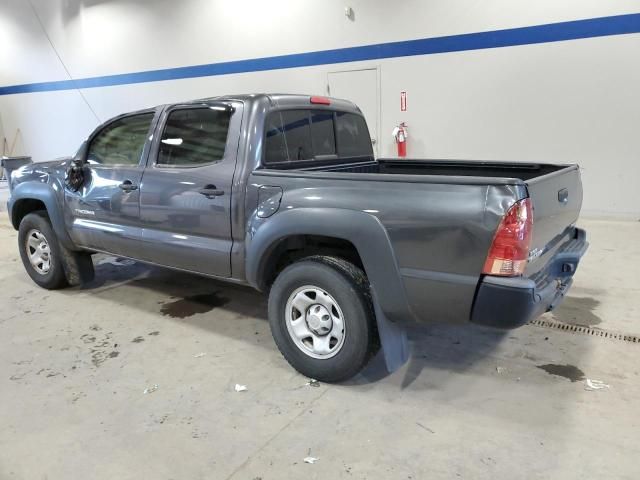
393 340
78 267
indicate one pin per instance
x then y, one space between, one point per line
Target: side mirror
75 174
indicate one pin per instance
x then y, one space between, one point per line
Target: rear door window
193 137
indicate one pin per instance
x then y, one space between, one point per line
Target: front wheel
40 251
322 319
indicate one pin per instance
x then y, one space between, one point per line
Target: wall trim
547 33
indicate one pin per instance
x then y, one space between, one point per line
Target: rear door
185 196
556 199
104 214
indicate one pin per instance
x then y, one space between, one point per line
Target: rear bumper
509 302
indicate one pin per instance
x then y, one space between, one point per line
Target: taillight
510 248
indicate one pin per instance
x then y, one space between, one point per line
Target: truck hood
40 171
51 165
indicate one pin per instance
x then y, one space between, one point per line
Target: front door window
121 142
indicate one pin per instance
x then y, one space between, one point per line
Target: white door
361 88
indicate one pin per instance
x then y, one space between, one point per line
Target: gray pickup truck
283 193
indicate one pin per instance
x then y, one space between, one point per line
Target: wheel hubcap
319 319
38 251
315 322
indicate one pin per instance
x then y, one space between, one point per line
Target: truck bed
555 190
456 168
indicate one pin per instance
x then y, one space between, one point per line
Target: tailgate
556 199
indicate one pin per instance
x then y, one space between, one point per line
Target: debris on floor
425 428
312 383
500 370
200 355
594 385
310 459
241 388
150 389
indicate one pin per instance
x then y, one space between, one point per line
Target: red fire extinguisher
400 135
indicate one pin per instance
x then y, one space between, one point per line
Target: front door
360 87
185 196
104 214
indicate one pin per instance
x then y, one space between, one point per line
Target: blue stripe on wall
553 32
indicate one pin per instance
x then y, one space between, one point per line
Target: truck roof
279 100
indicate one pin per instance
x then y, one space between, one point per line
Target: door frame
100 227
378 97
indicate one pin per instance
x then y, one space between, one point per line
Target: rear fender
371 241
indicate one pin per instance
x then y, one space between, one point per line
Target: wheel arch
23 207
346 228
291 248
29 197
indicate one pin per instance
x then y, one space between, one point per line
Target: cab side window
121 142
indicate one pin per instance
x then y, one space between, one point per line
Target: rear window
322 133
353 135
288 136
315 135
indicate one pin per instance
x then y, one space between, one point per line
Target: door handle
127 186
210 191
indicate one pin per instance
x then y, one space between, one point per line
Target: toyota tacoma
283 193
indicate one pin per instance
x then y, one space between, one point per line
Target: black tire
55 277
348 286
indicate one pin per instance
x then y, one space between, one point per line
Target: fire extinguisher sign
403 101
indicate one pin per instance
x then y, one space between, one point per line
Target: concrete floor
471 403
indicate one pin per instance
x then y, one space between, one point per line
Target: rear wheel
322 319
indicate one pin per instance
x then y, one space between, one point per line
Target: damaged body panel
241 188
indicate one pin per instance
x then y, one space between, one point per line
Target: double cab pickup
283 193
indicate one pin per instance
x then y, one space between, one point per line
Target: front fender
363 230
52 197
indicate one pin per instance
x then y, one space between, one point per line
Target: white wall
575 101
